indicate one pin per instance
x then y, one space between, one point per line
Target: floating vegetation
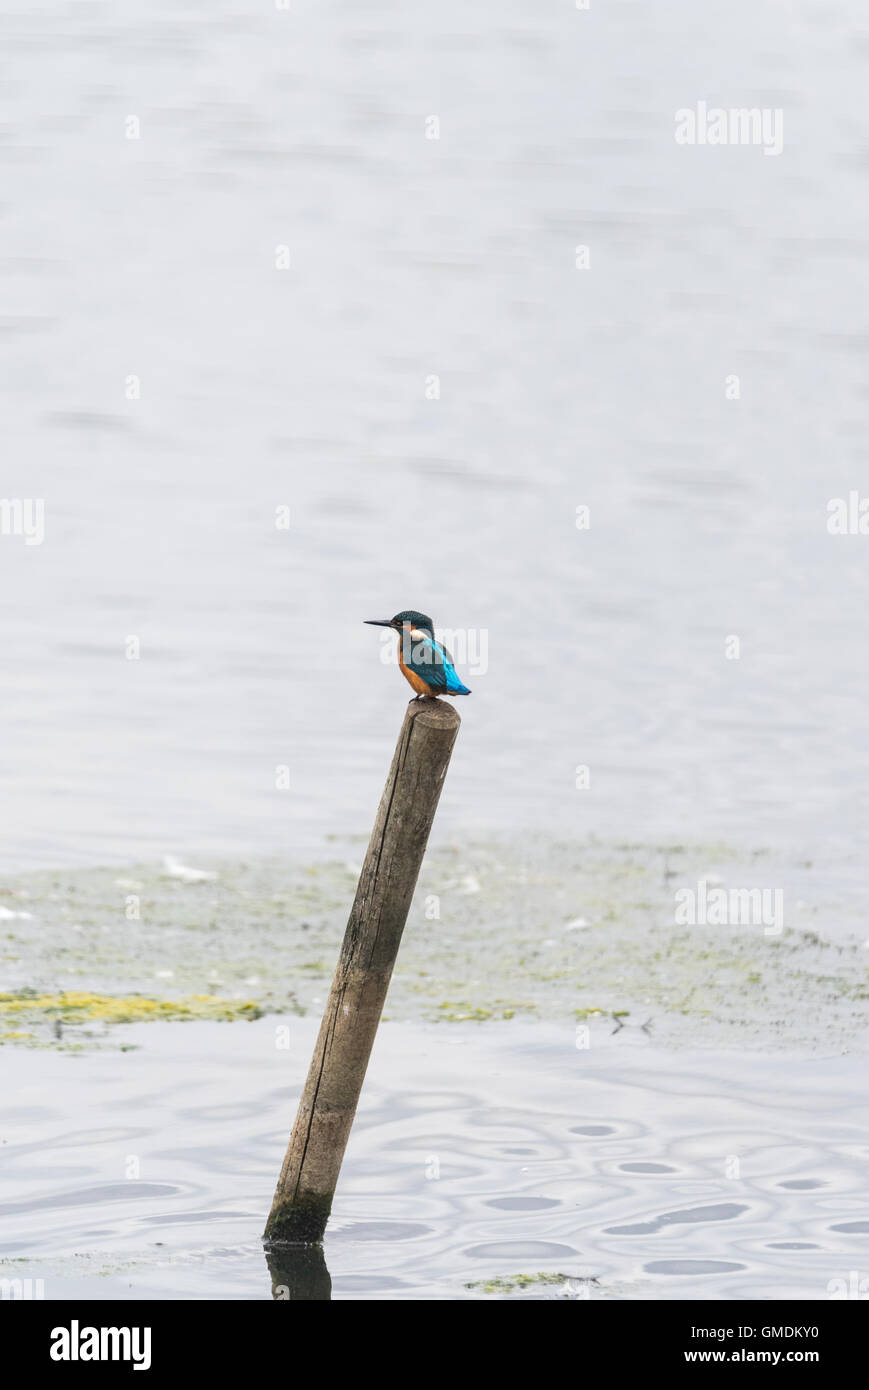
515 1283
72 1007
579 933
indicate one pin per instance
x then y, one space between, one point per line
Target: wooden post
303 1199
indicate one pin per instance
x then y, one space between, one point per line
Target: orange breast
417 682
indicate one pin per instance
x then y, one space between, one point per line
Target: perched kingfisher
425 663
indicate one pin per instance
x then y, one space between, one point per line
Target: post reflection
298 1273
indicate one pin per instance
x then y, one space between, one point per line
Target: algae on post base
299 1221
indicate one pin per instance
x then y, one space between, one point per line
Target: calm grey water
306 387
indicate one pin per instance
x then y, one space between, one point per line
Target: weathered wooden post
306 1186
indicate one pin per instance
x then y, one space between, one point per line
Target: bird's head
408 618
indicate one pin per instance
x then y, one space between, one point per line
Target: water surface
410 258
478 1155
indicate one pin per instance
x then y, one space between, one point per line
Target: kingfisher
425 663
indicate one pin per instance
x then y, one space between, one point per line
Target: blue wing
431 660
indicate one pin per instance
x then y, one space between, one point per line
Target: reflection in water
583 1206
298 1273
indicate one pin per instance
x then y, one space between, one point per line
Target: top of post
435 713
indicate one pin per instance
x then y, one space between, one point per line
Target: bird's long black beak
378 622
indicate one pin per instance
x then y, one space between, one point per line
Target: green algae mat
588 932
